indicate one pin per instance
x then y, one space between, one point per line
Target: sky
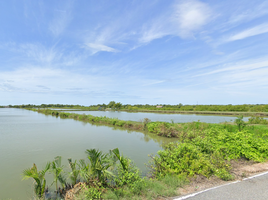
135 52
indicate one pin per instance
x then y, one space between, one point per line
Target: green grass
145 189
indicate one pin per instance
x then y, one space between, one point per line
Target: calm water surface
178 118
27 137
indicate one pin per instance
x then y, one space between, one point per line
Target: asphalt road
250 189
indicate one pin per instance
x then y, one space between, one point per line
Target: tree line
168 107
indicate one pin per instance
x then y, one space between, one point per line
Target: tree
99 164
74 174
118 105
111 104
57 170
39 178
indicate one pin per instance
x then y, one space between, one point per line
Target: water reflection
146 136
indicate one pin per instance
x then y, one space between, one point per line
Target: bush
257 120
185 158
234 145
240 123
128 176
120 123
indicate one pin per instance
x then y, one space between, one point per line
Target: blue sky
135 52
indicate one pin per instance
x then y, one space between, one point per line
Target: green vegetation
113 176
165 129
57 170
257 120
209 154
240 123
108 176
245 109
39 178
203 150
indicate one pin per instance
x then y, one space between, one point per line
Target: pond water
177 118
28 137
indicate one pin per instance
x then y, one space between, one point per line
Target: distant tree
111 104
118 105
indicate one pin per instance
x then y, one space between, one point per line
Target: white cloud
191 15
257 30
182 20
100 47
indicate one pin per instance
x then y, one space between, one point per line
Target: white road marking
194 194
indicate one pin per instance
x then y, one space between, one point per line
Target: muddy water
27 137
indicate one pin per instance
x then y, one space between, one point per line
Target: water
28 137
177 118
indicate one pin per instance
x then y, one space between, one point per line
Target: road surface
253 188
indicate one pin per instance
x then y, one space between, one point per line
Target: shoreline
217 113
163 129
203 112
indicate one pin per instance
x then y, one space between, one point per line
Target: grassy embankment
225 113
204 150
178 130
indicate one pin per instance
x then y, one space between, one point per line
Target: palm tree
74 174
123 161
39 178
57 170
99 164
84 170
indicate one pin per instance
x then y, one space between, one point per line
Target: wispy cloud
99 47
62 17
257 30
40 53
238 67
244 14
33 79
153 82
186 49
183 19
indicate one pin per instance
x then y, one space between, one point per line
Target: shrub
127 174
234 145
182 158
120 123
257 120
240 123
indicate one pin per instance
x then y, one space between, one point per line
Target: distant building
159 106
